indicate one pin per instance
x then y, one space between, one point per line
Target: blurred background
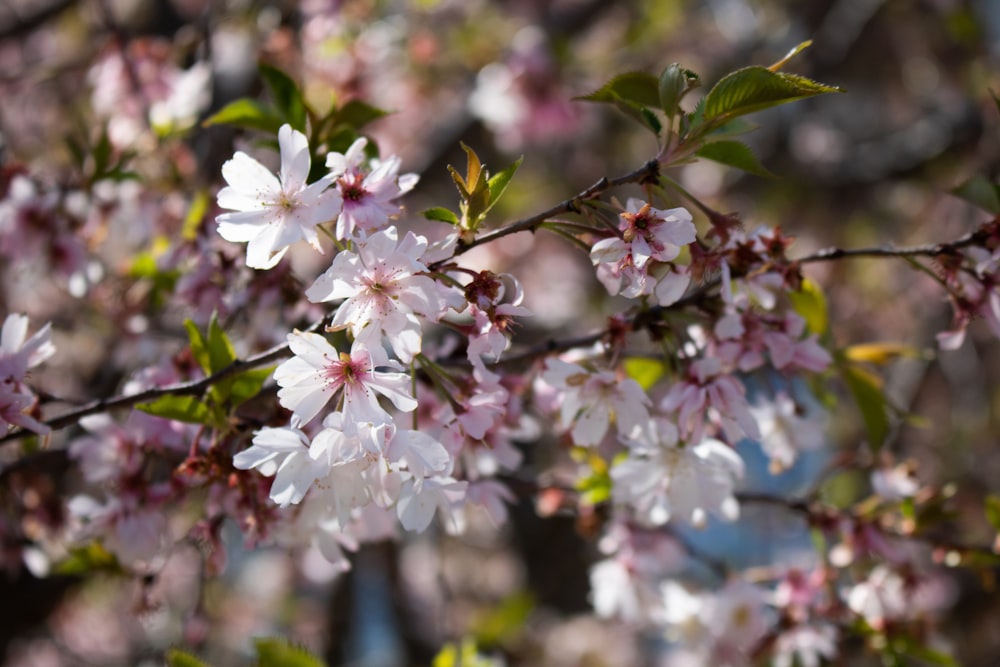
871 167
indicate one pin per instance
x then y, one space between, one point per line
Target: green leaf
87 559
178 658
287 96
673 83
441 214
650 120
277 652
646 372
357 114
796 50
755 88
102 154
992 506
810 302
498 183
195 215
189 409
220 350
465 655
637 89
505 622
246 112
981 192
198 349
880 353
867 390
733 154
247 384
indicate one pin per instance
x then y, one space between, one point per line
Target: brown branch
646 172
190 388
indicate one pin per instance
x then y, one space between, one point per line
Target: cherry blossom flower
592 401
318 372
685 482
384 292
421 497
708 392
282 453
17 356
271 213
367 196
493 319
806 645
786 430
647 235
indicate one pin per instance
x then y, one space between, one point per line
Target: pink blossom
385 291
318 372
367 196
591 400
273 213
708 390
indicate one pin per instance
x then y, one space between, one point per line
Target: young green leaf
636 89
796 50
672 85
357 114
287 96
982 192
755 88
498 182
247 384
992 507
198 347
734 154
644 371
189 409
810 303
867 390
248 113
441 214
220 350
178 658
276 652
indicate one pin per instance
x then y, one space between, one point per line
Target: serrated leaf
638 89
981 192
867 390
756 88
810 303
881 353
246 112
247 384
734 154
178 658
498 182
287 96
277 652
441 214
646 372
992 508
357 114
651 121
188 409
